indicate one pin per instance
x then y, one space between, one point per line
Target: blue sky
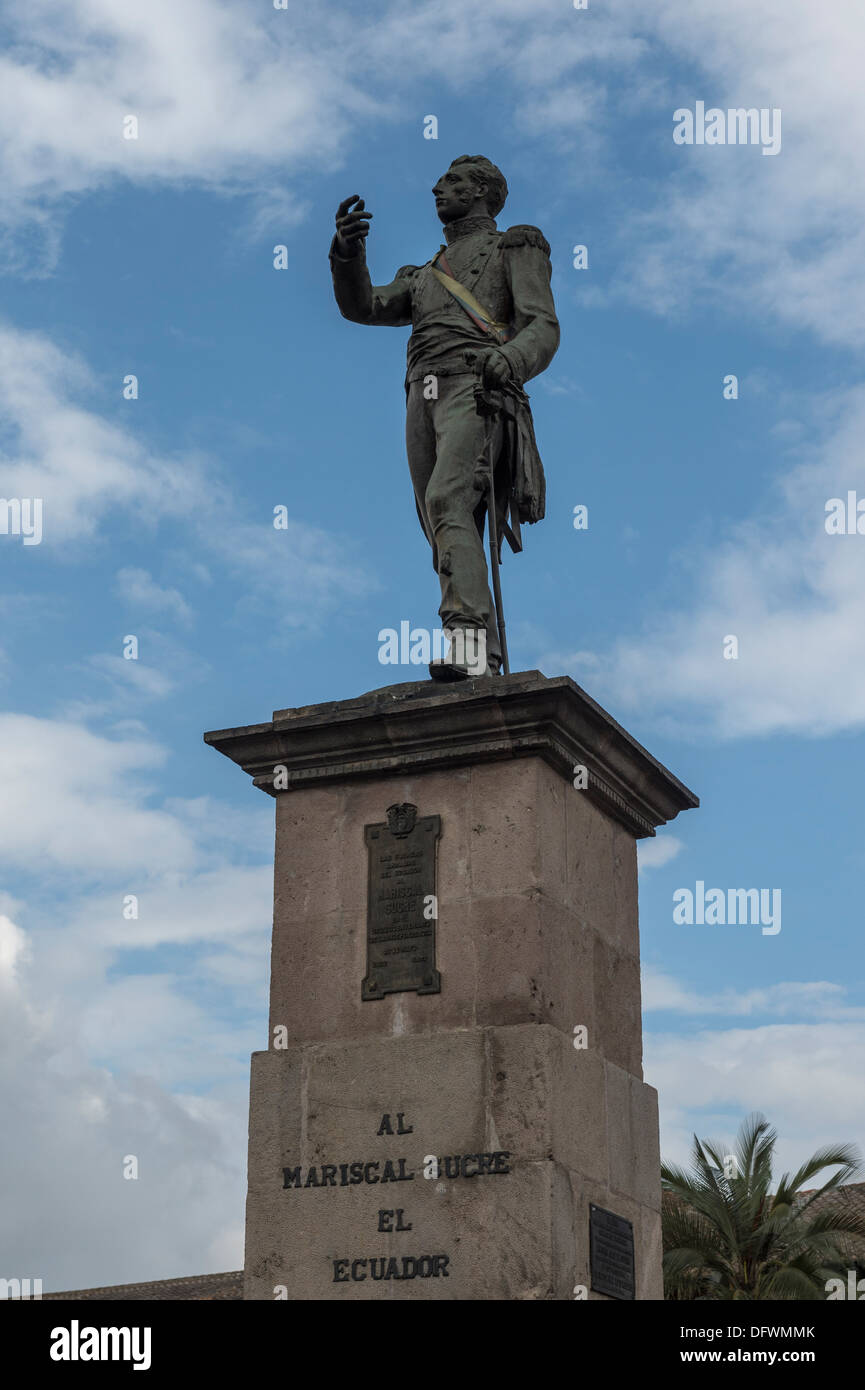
706 518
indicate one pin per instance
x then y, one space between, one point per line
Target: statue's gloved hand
494 368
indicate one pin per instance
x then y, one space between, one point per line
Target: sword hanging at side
489 404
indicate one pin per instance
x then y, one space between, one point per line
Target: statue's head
471 184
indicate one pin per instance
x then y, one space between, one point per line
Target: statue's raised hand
352 225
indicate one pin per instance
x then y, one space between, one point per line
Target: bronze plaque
611 1253
401 904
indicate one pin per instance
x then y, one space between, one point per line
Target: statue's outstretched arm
358 299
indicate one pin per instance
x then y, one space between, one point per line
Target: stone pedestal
452 1144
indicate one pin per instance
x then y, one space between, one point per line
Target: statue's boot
466 659
451 671
446 670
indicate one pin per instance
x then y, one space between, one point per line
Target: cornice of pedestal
423 726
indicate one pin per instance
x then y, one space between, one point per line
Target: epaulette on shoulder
525 236
405 271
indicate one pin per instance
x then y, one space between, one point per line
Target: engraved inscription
401 904
393 1221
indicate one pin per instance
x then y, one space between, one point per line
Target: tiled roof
852 1197
199 1288
852 1193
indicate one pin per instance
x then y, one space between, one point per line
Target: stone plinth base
453 1144
525 1132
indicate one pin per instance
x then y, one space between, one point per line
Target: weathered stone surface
523 1091
547 1099
529 912
632 1137
647 1237
618 1022
536 936
423 727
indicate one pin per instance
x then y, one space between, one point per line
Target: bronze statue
483 323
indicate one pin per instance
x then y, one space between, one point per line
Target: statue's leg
451 500
494 646
420 444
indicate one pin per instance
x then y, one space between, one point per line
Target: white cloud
249 101
226 828
138 587
655 853
783 235
792 595
223 96
296 575
82 466
67 802
561 386
69 1125
241 101
213 904
124 1036
804 1073
806 1078
85 468
145 680
808 999
13 953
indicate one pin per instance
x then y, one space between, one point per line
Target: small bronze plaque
401 904
611 1253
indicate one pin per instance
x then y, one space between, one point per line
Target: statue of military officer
483 323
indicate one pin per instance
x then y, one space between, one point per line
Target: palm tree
727 1236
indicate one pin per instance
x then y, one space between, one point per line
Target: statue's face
456 194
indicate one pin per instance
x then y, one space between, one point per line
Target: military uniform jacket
507 272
